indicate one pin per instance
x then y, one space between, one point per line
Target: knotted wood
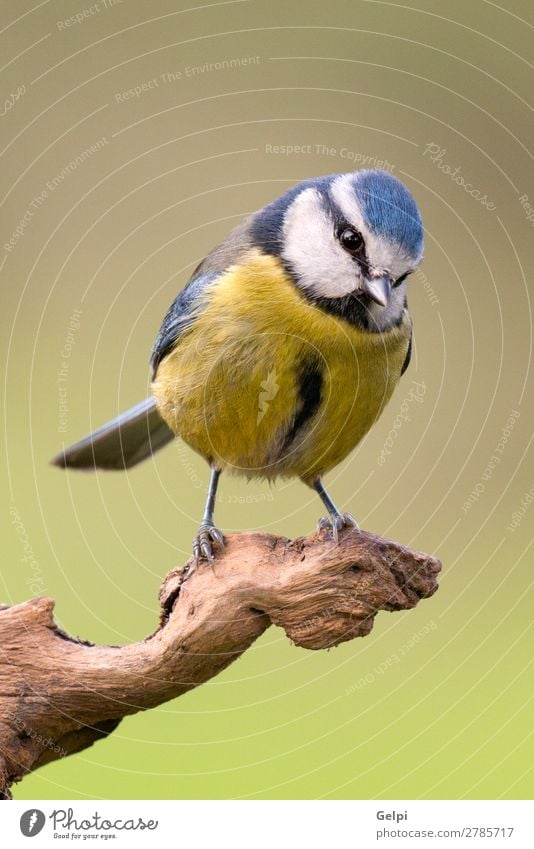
59 695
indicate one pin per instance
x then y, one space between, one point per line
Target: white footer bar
269 824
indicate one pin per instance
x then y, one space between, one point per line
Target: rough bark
59 695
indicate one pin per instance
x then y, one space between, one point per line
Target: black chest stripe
310 384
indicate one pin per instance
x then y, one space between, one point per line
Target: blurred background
134 137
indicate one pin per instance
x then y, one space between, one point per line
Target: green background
435 702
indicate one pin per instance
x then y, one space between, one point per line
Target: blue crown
389 210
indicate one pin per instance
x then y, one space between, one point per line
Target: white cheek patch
311 248
382 254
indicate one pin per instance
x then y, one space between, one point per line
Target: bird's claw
202 542
337 523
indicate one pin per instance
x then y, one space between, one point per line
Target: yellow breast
233 386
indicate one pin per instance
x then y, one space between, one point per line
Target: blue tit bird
285 345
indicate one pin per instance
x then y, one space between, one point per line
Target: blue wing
121 443
180 316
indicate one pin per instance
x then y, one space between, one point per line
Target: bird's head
348 238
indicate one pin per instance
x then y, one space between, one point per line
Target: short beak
378 290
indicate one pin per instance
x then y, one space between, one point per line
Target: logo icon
32 822
269 392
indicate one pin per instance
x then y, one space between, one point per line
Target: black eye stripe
352 241
401 279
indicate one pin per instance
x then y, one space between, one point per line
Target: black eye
351 240
401 279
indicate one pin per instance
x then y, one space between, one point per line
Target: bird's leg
207 532
337 520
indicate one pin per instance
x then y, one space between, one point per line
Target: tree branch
59 695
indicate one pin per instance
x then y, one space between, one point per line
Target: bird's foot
337 523
202 543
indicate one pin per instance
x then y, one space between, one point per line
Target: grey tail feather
121 443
